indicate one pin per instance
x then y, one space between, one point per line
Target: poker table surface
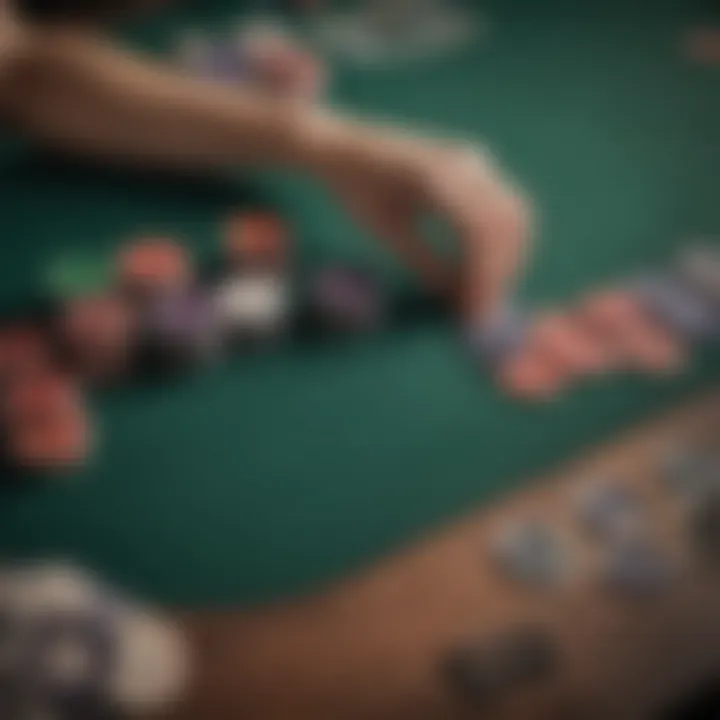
276 473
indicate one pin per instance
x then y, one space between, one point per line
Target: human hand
390 182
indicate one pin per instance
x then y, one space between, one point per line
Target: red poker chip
631 335
568 344
24 349
51 443
38 398
651 349
97 334
531 377
154 263
610 310
256 239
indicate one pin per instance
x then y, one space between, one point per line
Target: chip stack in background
253 298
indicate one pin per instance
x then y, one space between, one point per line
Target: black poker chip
485 670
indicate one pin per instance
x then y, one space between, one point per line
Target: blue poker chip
639 568
673 303
609 510
502 336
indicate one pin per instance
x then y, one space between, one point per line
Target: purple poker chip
502 336
185 323
347 299
677 306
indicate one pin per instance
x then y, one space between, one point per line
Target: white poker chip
64 638
253 304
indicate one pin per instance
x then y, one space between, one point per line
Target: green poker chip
76 275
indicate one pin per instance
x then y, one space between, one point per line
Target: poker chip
24 350
346 299
638 568
671 302
609 511
494 340
484 670
691 473
78 650
253 305
617 316
182 329
531 553
257 240
699 267
97 335
76 274
153 264
529 377
40 396
50 444
47 428
567 344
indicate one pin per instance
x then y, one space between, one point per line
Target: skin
67 87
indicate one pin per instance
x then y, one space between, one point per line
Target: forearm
79 94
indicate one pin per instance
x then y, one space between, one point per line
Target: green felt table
274 474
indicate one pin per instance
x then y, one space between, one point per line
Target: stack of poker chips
648 324
44 420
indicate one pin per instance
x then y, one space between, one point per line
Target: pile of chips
648 324
263 57
150 311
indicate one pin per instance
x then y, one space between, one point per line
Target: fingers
495 240
493 222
